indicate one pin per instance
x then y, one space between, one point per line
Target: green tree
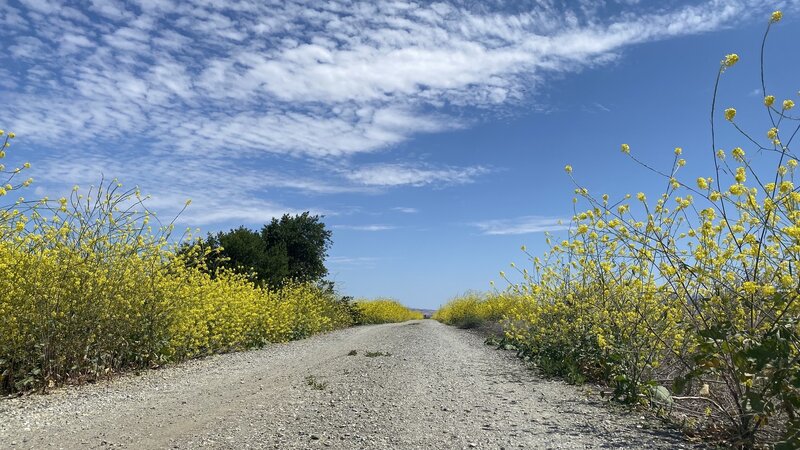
302 241
292 247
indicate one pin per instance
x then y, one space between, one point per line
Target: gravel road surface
431 386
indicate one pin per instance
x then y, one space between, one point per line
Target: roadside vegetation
383 311
474 309
94 284
688 302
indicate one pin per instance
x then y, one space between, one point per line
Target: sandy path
439 388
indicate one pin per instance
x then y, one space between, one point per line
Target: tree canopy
292 247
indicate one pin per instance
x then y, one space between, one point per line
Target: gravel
431 386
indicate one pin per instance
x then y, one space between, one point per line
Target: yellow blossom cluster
704 277
473 309
89 288
383 311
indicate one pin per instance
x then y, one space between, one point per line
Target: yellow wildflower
788 104
568 168
740 175
772 133
730 113
737 189
776 16
769 100
730 60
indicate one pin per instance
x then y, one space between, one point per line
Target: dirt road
424 385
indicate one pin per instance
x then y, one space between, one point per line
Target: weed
316 384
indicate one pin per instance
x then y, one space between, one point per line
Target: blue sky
432 136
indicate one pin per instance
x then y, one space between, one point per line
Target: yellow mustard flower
737 189
769 100
776 16
730 113
788 104
625 148
741 176
730 60
772 133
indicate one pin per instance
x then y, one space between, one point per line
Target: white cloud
405 210
336 263
522 225
412 175
197 80
331 79
372 227
220 191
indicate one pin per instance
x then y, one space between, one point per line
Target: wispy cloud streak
210 84
522 225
